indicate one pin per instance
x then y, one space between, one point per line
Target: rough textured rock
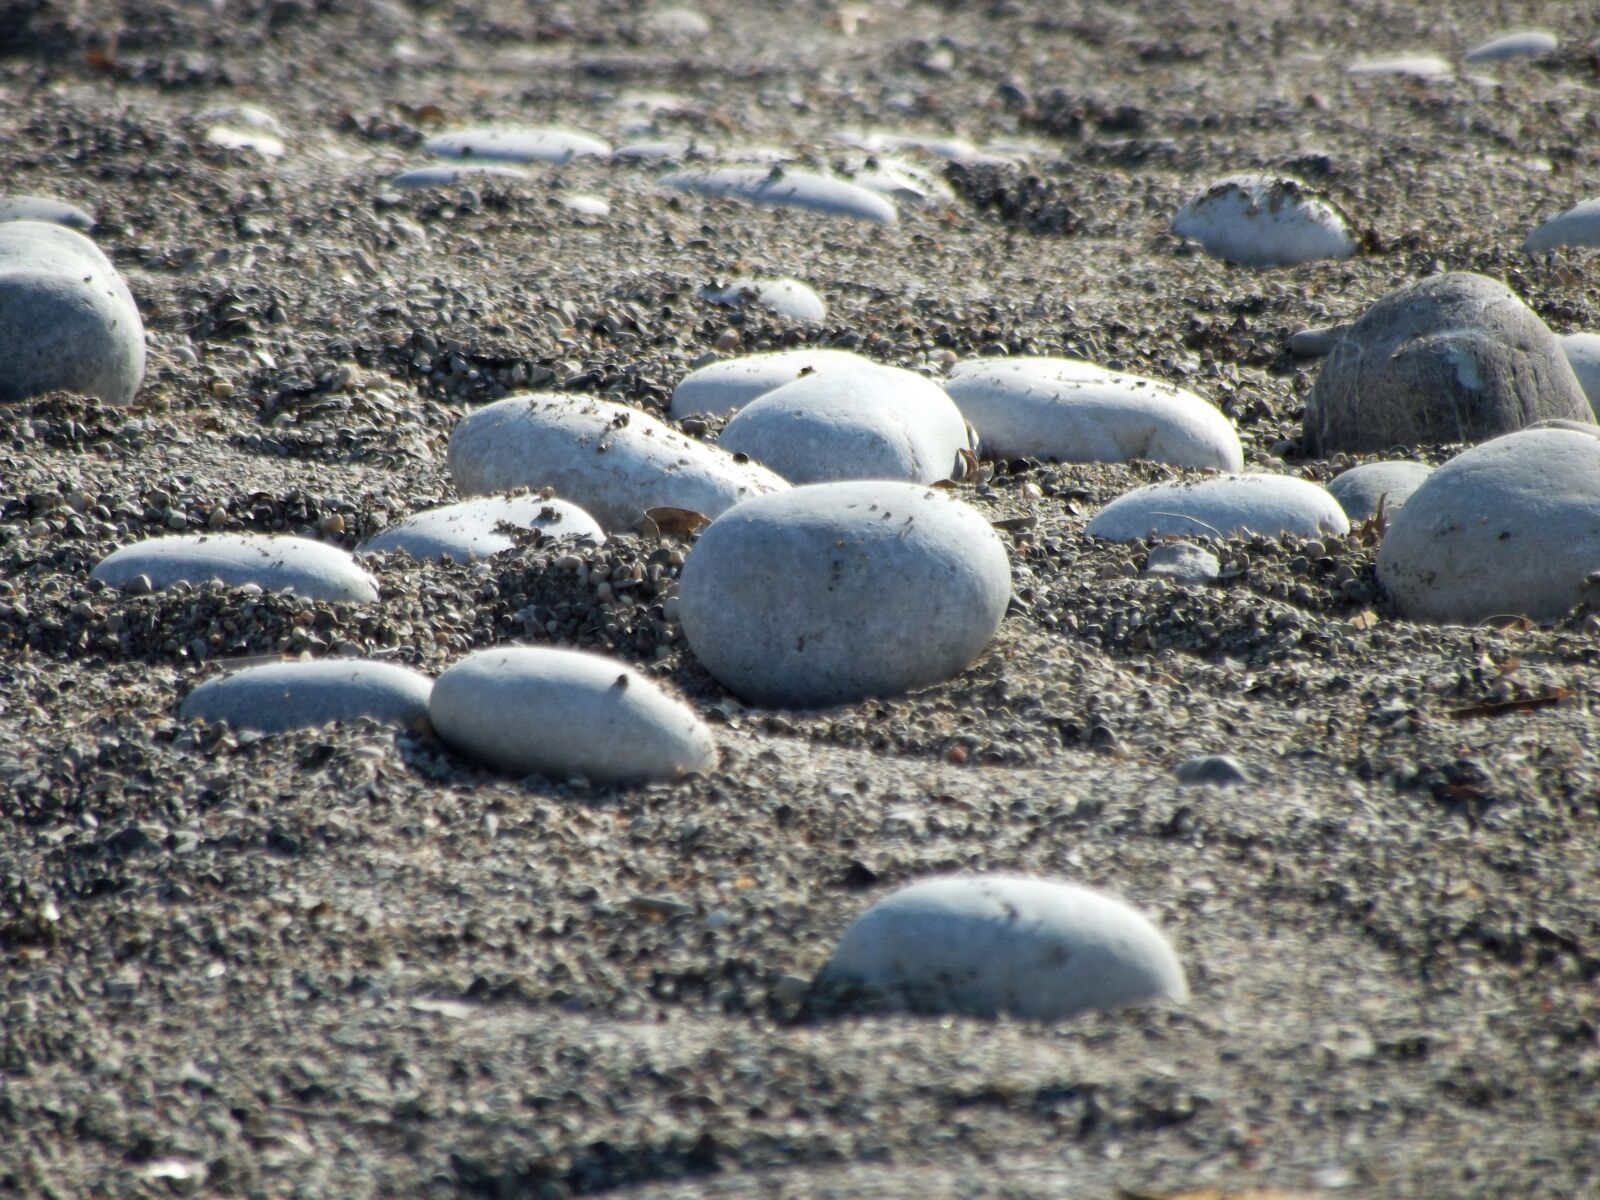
1508 528
535 710
1265 221
884 587
613 461
997 945
1450 358
311 569
1223 507
1360 489
473 528
67 319
301 695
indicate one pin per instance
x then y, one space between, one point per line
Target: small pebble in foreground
1265 221
530 710
1223 507
1508 528
827 594
1455 357
614 462
990 946
472 528
310 569
302 695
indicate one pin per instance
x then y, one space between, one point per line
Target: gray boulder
1451 358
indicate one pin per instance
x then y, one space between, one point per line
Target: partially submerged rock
613 461
1265 221
830 593
996 945
1508 528
1450 358
302 695
1224 507
1078 412
275 564
531 710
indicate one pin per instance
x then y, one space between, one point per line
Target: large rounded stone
534 710
613 461
996 945
1075 411
67 319
1511 527
830 593
1361 489
475 528
301 695
299 565
1450 358
1265 221
1224 507
870 423
724 387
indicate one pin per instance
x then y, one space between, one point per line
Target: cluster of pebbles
817 625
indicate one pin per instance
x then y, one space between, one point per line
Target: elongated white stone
786 188
830 593
67 318
1078 412
725 387
1265 221
613 461
534 710
1575 226
787 297
993 945
1508 528
454 175
301 695
1415 66
473 527
45 208
651 149
869 423
1223 507
299 565
516 144
1528 43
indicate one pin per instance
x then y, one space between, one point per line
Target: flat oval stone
1075 411
786 188
293 564
1583 356
787 297
1265 221
453 175
472 528
727 386
67 319
869 423
1414 66
1454 357
831 593
1224 507
996 945
529 710
1527 43
1360 489
1508 528
613 461
302 695
516 144
45 208
1575 226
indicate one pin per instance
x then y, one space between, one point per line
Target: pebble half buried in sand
1077 412
301 695
1224 507
830 593
535 710
1508 528
870 423
785 188
473 528
1265 221
721 388
786 297
67 318
990 946
613 461
299 565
